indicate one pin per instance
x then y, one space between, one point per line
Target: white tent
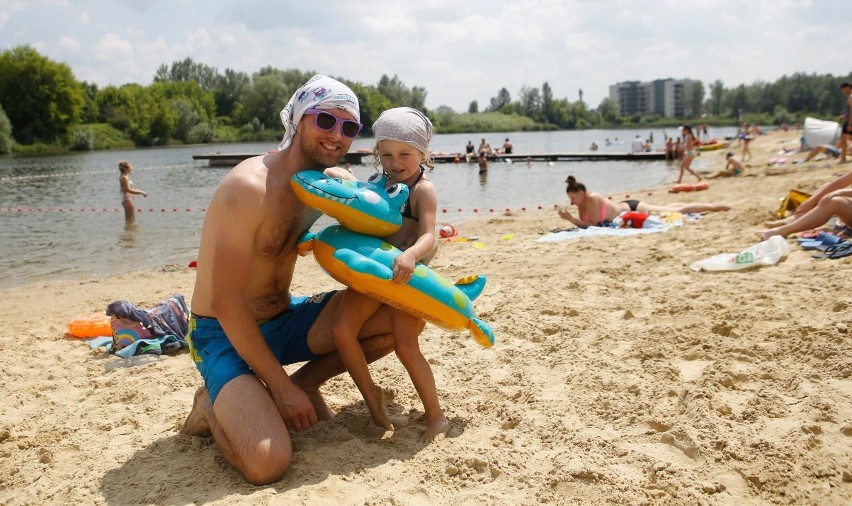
819 132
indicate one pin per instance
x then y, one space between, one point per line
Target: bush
82 138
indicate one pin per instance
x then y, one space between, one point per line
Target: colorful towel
653 224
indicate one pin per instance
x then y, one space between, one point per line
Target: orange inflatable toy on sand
90 325
694 187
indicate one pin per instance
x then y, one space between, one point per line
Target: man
846 120
245 322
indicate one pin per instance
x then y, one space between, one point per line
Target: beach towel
651 225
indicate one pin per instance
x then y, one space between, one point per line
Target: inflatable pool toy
694 187
363 207
364 263
712 145
90 325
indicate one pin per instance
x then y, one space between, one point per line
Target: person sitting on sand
595 210
733 168
831 199
829 149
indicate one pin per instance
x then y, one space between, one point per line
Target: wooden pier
357 157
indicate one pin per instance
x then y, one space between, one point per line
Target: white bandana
320 92
404 124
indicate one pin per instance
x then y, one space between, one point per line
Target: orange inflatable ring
90 325
694 187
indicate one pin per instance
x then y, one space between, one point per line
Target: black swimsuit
406 209
633 203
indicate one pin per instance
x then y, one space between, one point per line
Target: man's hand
295 407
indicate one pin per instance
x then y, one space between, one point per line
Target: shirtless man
245 323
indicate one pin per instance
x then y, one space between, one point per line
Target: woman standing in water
128 191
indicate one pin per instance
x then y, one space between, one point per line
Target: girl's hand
565 215
403 268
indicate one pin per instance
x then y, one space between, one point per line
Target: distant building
665 97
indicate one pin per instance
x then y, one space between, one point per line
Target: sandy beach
619 376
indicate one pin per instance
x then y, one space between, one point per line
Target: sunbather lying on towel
596 210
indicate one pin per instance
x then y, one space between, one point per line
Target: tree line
43 107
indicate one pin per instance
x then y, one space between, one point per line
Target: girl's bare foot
320 407
202 410
378 412
435 429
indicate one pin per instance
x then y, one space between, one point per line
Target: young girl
402 147
128 191
691 152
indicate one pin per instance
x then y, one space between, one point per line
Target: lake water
71 223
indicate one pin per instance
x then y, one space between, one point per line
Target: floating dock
357 157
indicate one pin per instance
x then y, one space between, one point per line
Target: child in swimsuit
402 148
691 152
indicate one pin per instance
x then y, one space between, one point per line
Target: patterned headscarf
320 92
404 124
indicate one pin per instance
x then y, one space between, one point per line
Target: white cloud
112 48
66 42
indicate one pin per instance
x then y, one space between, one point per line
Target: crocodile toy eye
375 177
394 190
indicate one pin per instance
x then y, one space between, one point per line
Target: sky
459 51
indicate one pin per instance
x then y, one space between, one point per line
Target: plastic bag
767 252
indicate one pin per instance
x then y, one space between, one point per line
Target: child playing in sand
402 147
733 168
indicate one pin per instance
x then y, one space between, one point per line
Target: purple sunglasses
327 121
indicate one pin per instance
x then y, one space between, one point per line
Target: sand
619 376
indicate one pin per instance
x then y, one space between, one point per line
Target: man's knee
268 465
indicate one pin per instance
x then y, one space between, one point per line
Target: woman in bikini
595 210
689 154
128 191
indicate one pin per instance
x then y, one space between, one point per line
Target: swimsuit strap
406 209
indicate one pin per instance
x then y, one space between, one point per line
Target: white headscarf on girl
320 92
404 124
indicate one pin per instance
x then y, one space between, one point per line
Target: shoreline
618 376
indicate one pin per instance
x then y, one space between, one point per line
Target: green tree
42 98
717 94
473 108
6 139
547 103
188 70
608 109
502 101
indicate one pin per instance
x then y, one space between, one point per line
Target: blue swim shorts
286 334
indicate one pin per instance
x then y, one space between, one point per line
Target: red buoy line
92 209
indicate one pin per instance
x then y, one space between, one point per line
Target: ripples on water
95 240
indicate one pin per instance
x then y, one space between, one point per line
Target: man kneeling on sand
245 322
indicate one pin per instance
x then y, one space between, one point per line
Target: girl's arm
426 201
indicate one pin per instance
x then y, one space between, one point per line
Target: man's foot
378 412
196 423
435 430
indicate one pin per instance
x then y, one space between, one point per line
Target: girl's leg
406 331
686 165
129 210
816 217
355 309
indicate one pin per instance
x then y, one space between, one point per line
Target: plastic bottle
767 252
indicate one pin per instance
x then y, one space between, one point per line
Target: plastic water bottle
767 252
